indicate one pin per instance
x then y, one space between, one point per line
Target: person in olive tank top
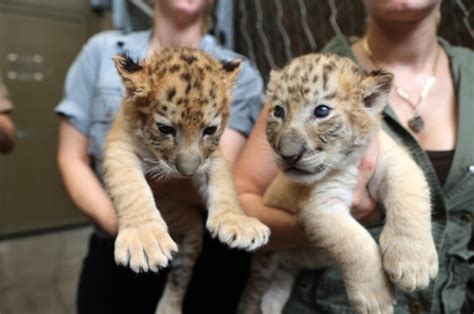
430 112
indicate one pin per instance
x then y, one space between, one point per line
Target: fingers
365 211
368 163
363 205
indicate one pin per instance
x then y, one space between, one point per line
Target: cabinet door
38 41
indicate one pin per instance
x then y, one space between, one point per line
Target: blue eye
166 129
278 112
322 111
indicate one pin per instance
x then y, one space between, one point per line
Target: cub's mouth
296 171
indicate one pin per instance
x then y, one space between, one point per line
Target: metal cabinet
38 41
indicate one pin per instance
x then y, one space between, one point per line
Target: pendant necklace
416 122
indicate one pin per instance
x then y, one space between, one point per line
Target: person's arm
256 169
232 143
80 181
7 133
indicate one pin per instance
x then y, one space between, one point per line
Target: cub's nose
292 159
291 146
187 164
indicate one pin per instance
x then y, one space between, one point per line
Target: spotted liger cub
325 112
173 114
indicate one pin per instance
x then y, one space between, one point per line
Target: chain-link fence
271 32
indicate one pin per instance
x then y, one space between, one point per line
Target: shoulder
248 71
339 45
113 40
457 52
460 57
104 39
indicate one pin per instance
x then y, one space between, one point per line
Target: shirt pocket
330 293
461 194
460 269
105 106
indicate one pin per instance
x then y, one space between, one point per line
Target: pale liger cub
325 112
173 114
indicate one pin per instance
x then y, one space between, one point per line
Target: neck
404 43
170 33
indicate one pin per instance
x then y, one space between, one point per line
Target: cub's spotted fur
172 117
325 111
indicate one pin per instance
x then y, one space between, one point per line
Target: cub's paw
373 293
410 261
238 230
145 247
165 307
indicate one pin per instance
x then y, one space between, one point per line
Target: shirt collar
137 43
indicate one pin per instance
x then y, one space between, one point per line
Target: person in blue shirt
92 97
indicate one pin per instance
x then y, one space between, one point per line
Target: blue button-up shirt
93 89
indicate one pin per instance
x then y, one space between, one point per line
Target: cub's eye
278 112
210 130
166 129
322 111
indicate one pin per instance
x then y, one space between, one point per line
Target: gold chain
416 123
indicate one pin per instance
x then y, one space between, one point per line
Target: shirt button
109 114
467 217
415 307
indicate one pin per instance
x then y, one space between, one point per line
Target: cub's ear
231 70
377 85
272 85
131 71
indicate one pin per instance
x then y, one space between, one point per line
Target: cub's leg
181 270
290 262
330 227
143 240
262 270
226 219
277 295
409 253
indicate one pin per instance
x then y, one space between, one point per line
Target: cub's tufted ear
377 85
272 82
231 70
131 71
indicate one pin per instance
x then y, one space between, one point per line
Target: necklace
415 123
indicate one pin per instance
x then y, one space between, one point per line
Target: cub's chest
179 204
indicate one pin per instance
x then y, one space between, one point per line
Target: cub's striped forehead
315 76
191 68
189 87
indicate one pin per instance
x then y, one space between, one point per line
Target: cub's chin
305 176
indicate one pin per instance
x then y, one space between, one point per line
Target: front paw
238 230
145 247
410 260
371 292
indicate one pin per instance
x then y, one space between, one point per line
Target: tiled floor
39 274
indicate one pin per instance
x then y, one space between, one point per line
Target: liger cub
173 114
324 112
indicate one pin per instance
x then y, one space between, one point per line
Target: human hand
363 205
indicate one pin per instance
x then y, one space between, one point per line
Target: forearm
88 194
286 232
